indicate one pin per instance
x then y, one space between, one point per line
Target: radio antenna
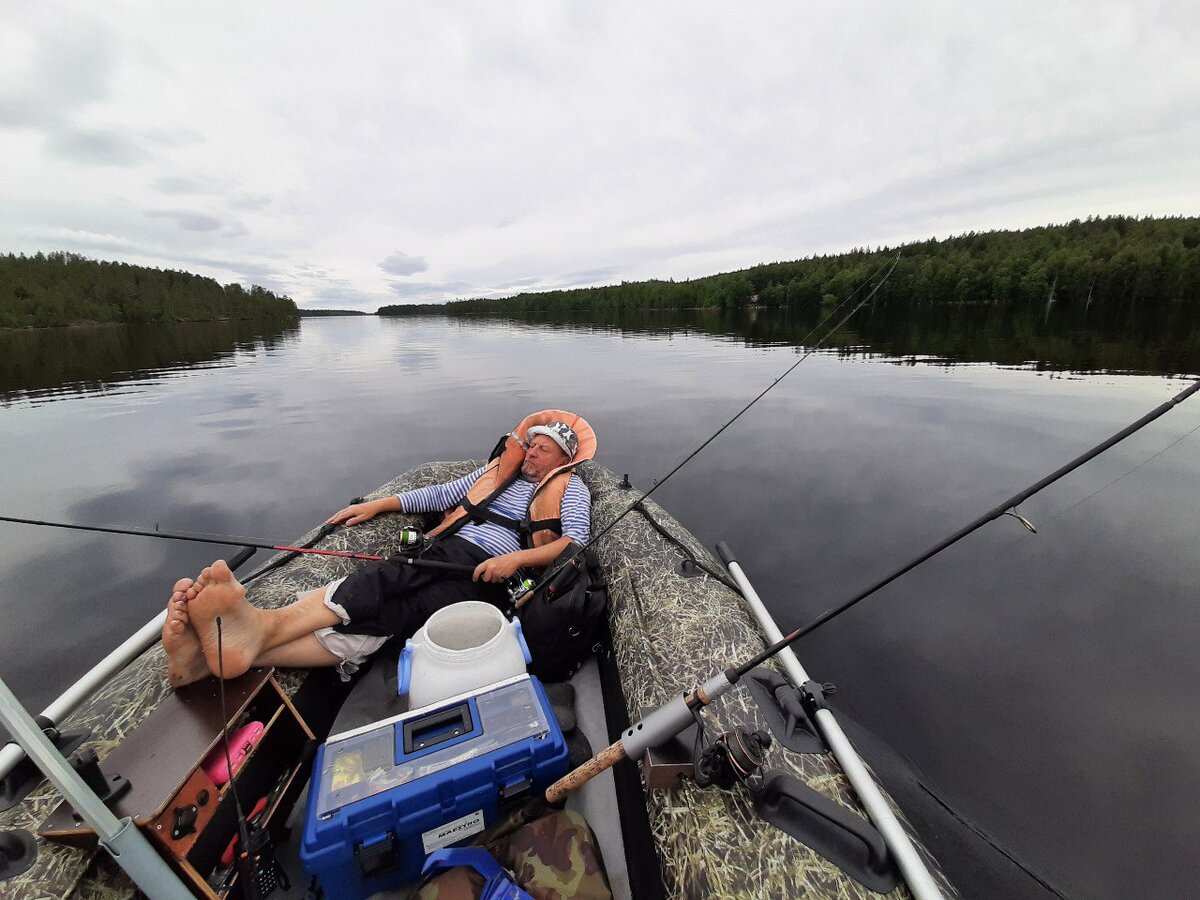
243 825
255 862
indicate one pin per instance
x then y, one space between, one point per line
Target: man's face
542 457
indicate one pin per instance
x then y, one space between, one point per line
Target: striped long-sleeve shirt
513 503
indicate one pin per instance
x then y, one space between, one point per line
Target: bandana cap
561 433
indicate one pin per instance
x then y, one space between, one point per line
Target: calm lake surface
1045 684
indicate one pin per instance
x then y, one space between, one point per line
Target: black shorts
390 598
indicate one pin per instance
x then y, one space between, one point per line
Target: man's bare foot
217 593
193 589
185 658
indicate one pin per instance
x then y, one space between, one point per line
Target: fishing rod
668 720
565 569
409 537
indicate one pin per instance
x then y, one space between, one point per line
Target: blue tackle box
385 796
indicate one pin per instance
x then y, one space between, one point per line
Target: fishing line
286 548
1003 509
198 538
555 570
1063 512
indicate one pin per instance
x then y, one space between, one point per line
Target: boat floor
374 698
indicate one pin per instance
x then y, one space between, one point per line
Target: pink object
241 742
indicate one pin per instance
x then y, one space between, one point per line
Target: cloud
95 146
400 263
431 291
248 269
341 296
175 136
589 276
312 271
20 112
227 190
64 77
250 202
75 240
177 184
186 219
66 68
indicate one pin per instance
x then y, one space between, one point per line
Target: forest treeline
67 289
1113 260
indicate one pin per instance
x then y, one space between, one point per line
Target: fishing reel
735 757
566 572
517 589
411 539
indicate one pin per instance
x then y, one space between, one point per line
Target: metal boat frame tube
120 837
912 867
129 650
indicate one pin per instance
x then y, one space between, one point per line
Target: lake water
1046 684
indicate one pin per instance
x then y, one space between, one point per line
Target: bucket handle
521 640
404 668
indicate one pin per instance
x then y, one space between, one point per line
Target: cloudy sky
353 155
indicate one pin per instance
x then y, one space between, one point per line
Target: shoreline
15 328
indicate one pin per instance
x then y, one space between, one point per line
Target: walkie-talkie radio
259 872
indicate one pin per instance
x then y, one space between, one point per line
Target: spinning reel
735 757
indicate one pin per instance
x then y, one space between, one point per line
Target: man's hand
501 568
363 512
498 568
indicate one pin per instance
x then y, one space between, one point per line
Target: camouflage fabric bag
552 858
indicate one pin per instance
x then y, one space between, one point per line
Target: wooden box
162 759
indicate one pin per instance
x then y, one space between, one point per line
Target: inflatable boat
798 825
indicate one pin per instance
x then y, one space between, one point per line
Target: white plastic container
460 647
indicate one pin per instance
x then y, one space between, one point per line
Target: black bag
562 629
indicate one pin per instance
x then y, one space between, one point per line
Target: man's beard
526 474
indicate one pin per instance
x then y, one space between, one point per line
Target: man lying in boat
344 622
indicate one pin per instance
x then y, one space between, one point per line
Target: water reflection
41 365
1150 337
45 364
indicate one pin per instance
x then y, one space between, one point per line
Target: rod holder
18 851
109 789
24 776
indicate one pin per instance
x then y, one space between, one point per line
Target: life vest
543 520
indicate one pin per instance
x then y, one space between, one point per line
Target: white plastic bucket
460 647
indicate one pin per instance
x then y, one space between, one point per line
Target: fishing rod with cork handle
668 720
